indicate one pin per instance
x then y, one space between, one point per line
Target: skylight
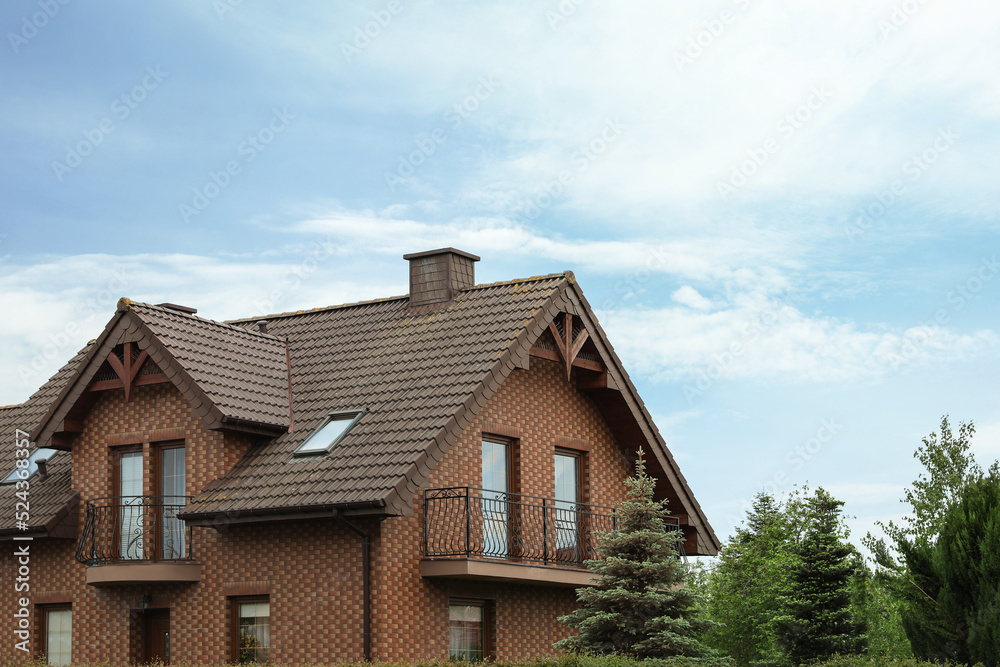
330 433
32 466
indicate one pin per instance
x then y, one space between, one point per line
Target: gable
232 378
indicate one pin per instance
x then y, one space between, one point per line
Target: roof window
333 430
18 473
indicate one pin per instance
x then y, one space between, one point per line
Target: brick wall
541 411
315 596
311 571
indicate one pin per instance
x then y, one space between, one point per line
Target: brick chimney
437 276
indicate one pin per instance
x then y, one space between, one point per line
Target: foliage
817 622
744 590
949 535
549 661
949 467
877 661
581 661
966 561
874 606
640 606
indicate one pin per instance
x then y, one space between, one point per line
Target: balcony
480 534
137 539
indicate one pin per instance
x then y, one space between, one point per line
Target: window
496 501
17 475
469 630
131 524
330 433
58 635
567 497
253 630
172 481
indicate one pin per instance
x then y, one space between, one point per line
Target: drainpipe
366 584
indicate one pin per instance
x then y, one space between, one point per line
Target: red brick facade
311 570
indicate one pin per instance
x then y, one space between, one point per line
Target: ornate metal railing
463 522
126 529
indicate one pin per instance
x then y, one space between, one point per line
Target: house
411 477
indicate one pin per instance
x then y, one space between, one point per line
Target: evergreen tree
966 560
924 583
817 622
745 589
640 606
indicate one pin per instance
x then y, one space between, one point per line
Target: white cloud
689 296
53 307
768 338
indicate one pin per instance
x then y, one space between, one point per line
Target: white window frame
351 416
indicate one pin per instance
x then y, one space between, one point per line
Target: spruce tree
640 606
818 622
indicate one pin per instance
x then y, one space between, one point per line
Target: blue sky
786 217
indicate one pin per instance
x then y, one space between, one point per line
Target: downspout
366 584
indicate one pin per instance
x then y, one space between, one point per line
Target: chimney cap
441 251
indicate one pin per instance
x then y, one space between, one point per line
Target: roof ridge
11 406
293 313
354 304
126 304
532 279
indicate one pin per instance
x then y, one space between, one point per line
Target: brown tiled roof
229 375
49 498
420 374
241 373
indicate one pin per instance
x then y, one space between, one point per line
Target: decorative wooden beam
116 366
153 378
104 385
569 349
578 345
127 375
133 373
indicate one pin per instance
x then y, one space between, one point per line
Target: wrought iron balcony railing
126 529
463 522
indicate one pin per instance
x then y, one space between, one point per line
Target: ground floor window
253 629
58 635
469 632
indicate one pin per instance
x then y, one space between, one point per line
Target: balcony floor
142 573
505 571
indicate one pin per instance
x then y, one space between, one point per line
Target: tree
875 607
966 562
949 467
936 629
745 589
640 606
817 622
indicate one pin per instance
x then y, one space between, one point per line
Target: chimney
43 468
437 276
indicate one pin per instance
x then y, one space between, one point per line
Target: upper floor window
148 526
333 430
